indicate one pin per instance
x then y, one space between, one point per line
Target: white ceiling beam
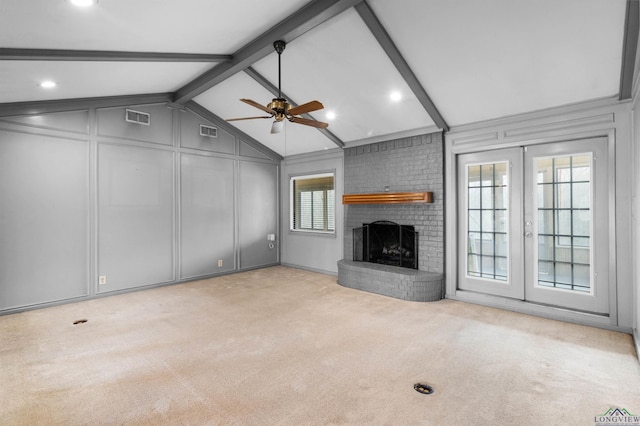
11 54
274 91
305 19
629 47
385 41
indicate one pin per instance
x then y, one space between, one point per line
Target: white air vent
208 131
137 117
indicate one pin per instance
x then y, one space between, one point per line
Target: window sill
306 233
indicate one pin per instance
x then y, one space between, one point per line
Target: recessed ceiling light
331 115
395 96
83 3
48 84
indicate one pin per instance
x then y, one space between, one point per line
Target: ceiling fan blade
257 105
307 122
304 108
248 118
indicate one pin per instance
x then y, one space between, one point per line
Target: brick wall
412 164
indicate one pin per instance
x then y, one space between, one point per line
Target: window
487 189
564 222
313 203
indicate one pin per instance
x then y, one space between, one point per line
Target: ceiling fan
279 108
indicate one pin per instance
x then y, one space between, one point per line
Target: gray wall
85 194
312 251
413 164
44 217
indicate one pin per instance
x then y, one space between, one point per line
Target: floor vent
423 388
137 117
208 131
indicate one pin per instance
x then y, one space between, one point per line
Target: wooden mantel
388 198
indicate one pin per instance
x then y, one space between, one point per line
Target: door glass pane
473 173
474 220
501 221
500 197
501 244
545 222
473 265
500 174
564 214
487 244
501 268
474 197
488 221
487 226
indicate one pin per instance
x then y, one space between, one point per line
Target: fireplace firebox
387 243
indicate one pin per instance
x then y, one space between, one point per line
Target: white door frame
493 141
513 285
596 300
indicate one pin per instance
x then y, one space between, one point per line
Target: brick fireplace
413 164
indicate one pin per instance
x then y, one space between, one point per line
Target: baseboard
35 306
636 340
549 312
306 268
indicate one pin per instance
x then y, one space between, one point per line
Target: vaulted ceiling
452 62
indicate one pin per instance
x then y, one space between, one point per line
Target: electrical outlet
219 263
102 279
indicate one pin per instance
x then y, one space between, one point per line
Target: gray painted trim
10 54
379 32
94 207
395 135
305 19
61 105
274 91
629 46
306 268
306 157
615 190
205 113
545 113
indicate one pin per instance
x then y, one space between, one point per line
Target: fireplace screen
386 242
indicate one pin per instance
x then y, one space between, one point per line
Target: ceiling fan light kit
277 126
279 108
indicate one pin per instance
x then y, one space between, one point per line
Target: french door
534 224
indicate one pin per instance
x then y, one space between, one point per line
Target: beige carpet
285 346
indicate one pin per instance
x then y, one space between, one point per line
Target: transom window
312 203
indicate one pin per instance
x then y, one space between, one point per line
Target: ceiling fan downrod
279 45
